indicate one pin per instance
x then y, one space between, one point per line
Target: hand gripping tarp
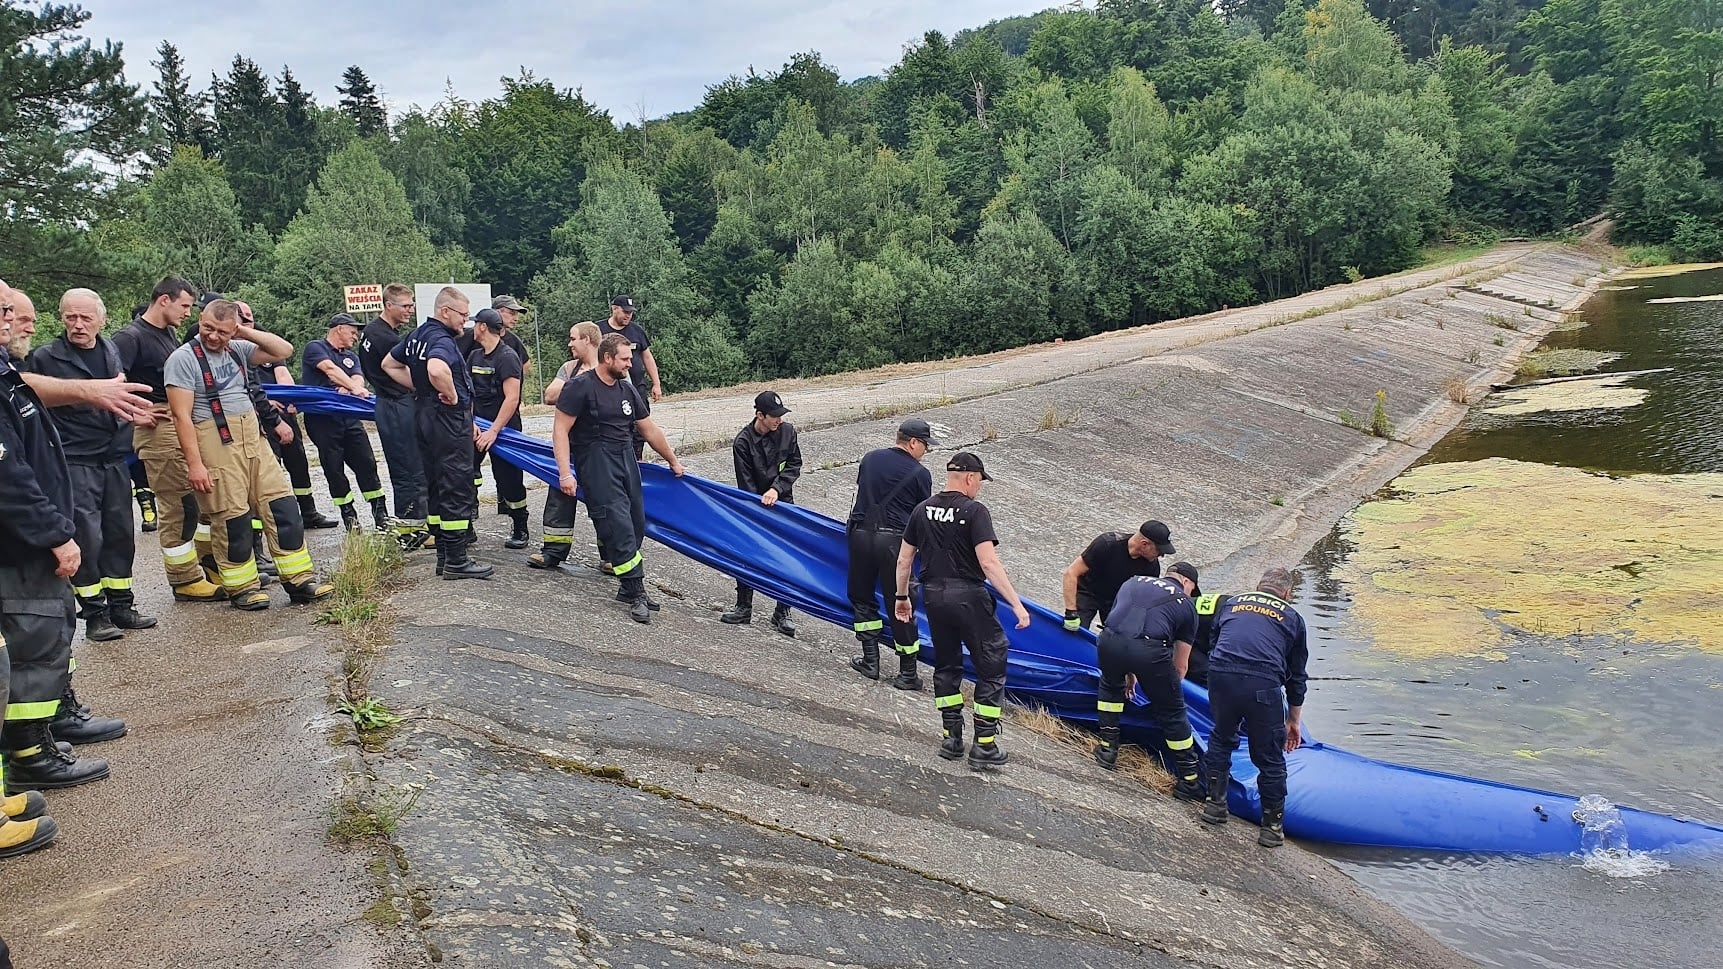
797 556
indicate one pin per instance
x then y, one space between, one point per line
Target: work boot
442 556
548 561
307 591
251 600
74 723
146 508
867 664
24 807
987 755
99 626
651 604
518 537
124 615
781 621
412 539
260 552
22 837
1214 802
1107 755
311 517
743 612
45 767
908 673
951 748
640 610
1272 834
1190 789
200 590
458 565
350 517
380 514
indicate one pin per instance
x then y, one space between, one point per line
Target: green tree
926 70
424 155
360 102
687 185
296 149
1077 45
1051 158
191 220
1018 286
247 118
356 227
806 326
1141 141
733 261
181 116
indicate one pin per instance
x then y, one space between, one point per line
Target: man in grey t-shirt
231 469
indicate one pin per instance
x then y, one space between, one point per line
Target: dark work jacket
1262 635
88 434
35 485
767 461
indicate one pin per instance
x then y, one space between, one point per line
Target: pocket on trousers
33 591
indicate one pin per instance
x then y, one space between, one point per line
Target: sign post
364 298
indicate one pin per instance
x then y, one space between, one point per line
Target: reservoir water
1540 601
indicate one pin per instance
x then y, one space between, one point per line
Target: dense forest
1056 175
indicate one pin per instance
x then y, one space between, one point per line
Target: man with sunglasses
395 409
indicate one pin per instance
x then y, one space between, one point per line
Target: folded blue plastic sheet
797 556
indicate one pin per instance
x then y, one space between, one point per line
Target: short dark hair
612 342
172 287
221 310
1278 582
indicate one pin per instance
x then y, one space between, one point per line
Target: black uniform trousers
103 529
1254 701
342 444
511 481
1151 661
873 569
960 615
1088 608
398 430
609 477
559 514
37 619
446 443
292 456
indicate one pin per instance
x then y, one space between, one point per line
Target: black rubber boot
146 507
987 755
1272 834
781 621
260 552
951 748
37 764
380 515
633 592
442 547
1187 773
98 621
1107 755
313 518
652 604
307 591
123 613
458 565
350 517
75 724
518 537
743 613
908 672
1214 804
867 664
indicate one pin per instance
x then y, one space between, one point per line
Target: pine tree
181 116
360 101
247 117
297 148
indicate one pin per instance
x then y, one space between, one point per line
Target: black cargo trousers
960 616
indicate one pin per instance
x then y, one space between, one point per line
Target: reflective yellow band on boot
290 564
302 492
1107 707
983 710
1184 744
372 495
910 650
39 710
942 702
180 554
344 500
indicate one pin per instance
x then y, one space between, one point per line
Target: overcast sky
658 53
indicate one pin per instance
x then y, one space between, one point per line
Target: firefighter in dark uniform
559 509
37 612
497 371
1093 578
598 415
394 416
96 445
1148 636
341 442
889 484
291 454
1260 650
768 461
953 533
429 362
1208 610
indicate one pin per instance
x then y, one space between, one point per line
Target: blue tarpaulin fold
798 556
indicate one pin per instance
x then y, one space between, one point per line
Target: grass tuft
1133 762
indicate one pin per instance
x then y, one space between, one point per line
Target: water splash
1603 842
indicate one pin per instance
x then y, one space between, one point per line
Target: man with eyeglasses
394 416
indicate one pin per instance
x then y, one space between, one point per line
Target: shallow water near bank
1589 708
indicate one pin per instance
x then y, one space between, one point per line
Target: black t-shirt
95 359
317 351
603 413
489 370
1110 566
878 479
144 350
1154 609
375 342
638 340
945 530
468 344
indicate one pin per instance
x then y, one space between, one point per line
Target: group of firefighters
224 483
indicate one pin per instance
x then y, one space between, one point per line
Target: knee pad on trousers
239 538
289 526
189 515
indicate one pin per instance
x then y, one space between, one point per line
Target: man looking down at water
1260 649
1093 579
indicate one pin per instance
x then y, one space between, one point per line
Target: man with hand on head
768 461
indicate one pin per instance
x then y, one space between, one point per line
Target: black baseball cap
490 318
626 302
964 461
208 298
1160 534
342 319
1189 571
770 404
917 428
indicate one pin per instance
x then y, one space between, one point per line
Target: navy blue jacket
1259 634
35 485
1154 609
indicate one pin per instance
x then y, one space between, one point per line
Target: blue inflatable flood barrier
798 556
